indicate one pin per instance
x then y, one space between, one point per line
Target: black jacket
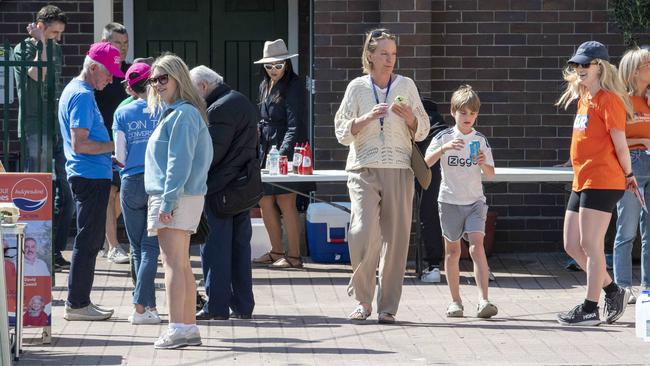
283 122
436 124
232 122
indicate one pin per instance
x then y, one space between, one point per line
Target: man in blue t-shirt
132 126
87 148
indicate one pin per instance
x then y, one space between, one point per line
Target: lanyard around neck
374 91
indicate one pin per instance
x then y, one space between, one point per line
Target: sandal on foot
267 258
386 318
288 262
360 313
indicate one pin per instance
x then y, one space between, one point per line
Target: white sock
188 327
179 326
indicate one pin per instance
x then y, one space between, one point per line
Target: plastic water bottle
274 160
642 314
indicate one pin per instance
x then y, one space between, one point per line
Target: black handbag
242 193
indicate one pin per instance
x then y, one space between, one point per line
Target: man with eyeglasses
88 148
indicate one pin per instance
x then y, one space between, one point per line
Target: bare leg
593 226
452 270
572 242
112 213
271 217
174 248
481 269
291 221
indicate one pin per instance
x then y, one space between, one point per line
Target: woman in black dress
282 124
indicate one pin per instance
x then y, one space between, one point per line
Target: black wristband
630 175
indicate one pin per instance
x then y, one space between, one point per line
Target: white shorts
186 216
458 220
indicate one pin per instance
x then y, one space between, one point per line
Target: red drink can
284 165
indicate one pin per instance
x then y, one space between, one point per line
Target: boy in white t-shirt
461 200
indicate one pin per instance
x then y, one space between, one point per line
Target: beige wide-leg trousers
380 227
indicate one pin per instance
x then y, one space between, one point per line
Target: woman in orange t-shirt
602 171
634 71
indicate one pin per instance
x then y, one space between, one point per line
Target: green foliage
632 17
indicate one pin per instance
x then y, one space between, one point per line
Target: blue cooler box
327 233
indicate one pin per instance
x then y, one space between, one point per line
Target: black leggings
597 199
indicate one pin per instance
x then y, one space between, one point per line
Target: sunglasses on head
274 66
378 33
162 79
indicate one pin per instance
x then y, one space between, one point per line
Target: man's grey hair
204 73
89 61
111 28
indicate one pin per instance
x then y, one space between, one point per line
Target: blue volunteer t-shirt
137 124
78 109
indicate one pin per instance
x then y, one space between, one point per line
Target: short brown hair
370 45
51 13
465 97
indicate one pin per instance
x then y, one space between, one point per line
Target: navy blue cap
589 51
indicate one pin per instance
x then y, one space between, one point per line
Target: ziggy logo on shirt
580 122
458 161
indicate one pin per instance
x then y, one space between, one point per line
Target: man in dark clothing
50 24
226 254
429 216
107 102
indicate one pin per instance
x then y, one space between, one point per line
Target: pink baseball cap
107 55
138 71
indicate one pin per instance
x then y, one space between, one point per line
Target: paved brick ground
300 319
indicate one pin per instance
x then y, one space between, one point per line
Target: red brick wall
511 52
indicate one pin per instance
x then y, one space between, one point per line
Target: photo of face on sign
38 249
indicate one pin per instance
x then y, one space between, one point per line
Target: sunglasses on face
162 79
574 66
274 66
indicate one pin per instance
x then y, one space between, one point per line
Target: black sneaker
60 263
615 305
577 316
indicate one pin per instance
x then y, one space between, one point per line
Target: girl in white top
378 131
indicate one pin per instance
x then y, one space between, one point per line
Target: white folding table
507 175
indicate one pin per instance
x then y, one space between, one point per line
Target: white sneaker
632 299
193 336
88 313
431 275
486 309
145 318
171 339
102 310
455 310
152 311
118 255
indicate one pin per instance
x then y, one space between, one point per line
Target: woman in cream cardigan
378 129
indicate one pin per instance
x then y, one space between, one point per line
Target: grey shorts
458 220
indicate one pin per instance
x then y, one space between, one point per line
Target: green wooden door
181 27
227 35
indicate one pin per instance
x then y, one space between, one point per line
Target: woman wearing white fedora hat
281 102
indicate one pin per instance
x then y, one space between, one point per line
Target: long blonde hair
629 64
175 68
370 45
609 81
